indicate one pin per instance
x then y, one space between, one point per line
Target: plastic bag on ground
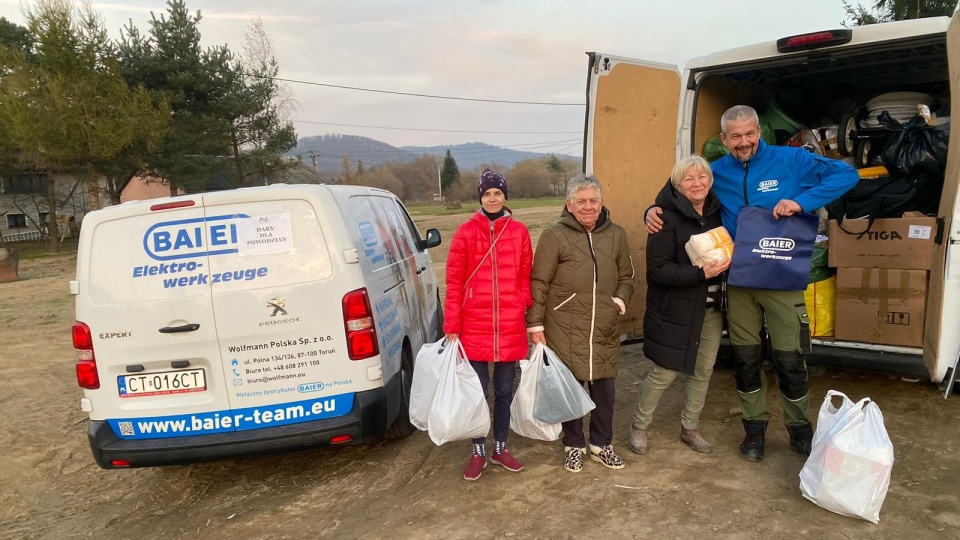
560 397
426 376
459 410
522 421
848 471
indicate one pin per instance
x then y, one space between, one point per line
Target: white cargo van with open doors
252 320
643 116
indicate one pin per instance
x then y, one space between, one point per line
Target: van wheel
401 426
846 131
862 155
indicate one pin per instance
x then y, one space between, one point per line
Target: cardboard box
902 243
883 306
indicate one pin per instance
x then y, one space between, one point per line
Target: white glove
620 306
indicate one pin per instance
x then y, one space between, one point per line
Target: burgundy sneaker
475 467
506 459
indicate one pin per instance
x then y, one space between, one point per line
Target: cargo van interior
817 88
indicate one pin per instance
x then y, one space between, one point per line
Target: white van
236 322
643 116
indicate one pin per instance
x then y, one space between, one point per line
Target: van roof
861 35
346 190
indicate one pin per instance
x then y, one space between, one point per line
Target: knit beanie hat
488 180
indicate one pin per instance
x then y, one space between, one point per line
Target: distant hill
469 155
329 149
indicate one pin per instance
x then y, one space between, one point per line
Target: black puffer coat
676 289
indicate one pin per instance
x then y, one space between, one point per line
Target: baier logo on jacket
768 186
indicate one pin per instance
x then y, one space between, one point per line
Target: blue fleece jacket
775 173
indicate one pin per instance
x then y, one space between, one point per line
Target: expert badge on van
246 321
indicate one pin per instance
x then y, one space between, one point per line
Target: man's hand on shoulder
785 208
652 219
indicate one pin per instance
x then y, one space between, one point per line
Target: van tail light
358 321
87 376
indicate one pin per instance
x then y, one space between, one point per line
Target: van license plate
164 382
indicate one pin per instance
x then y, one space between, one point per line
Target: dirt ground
411 488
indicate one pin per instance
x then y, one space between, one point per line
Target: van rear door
631 137
144 293
941 341
277 300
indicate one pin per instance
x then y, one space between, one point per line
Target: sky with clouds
517 50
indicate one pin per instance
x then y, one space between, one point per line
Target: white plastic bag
560 398
848 471
459 410
426 376
522 421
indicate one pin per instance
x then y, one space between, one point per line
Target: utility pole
313 156
439 184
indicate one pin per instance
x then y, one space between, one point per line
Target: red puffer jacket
488 293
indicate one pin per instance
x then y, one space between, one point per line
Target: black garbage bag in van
915 146
888 197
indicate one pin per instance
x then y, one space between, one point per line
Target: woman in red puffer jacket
488 291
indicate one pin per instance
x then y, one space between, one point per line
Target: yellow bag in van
821 300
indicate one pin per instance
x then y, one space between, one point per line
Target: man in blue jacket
790 181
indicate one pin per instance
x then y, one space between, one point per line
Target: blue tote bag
771 253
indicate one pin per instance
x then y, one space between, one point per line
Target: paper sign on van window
920 232
257 235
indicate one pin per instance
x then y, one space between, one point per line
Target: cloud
492 49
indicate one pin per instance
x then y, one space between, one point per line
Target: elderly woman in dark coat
682 325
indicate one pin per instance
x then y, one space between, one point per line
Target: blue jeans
503 376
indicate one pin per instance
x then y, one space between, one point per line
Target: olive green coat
576 274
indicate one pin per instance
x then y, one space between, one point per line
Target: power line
497 151
578 143
525 147
438 130
411 94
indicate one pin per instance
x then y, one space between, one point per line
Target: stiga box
902 243
882 306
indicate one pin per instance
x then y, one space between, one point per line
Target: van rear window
280 243
196 251
148 257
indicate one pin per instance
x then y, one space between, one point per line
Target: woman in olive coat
582 280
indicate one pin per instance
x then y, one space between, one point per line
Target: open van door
941 340
143 288
630 145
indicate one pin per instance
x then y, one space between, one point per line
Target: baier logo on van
777 244
188 238
367 234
